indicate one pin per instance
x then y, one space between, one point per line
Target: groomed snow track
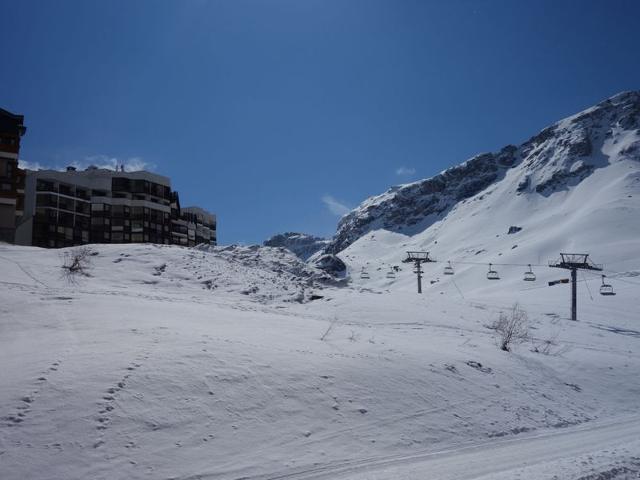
474 461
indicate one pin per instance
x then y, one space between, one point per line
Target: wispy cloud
131 164
30 165
405 171
335 206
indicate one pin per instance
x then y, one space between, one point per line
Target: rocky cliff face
557 158
301 244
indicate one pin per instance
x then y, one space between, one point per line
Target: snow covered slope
140 370
575 167
262 274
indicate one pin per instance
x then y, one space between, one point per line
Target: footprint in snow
478 366
26 401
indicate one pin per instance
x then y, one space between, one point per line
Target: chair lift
529 276
605 288
492 274
448 270
391 273
364 274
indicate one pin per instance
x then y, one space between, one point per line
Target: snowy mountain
247 362
301 244
547 166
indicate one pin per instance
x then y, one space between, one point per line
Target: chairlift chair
492 274
448 270
391 273
606 288
529 276
364 274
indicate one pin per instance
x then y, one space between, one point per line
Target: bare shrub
76 262
545 346
511 327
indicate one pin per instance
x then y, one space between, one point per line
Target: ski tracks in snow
473 461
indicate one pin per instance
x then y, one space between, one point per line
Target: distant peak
301 244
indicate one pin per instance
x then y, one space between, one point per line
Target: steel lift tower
575 262
418 258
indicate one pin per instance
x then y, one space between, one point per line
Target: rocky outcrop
330 264
301 244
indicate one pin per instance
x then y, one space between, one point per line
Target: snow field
117 377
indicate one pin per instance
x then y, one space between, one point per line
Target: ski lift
492 274
364 274
448 270
606 288
529 276
391 273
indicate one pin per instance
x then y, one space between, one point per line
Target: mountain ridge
558 157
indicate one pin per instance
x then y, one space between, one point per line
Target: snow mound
261 274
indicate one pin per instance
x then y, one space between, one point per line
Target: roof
11 123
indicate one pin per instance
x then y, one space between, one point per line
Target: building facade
63 209
51 208
12 178
203 223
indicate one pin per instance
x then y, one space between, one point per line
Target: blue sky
282 114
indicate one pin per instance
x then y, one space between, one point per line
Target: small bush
546 346
76 262
511 328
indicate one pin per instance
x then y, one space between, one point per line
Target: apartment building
201 225
97 205
51 208
12 178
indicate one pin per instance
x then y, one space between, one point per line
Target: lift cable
459 291
587 285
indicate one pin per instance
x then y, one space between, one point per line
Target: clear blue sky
258 110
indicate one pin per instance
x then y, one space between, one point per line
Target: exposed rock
561 178
523 186
331 264
301 244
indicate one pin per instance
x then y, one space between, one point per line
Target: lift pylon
575 262
418 258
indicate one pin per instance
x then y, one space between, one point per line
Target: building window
119 184
66 190
44 186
